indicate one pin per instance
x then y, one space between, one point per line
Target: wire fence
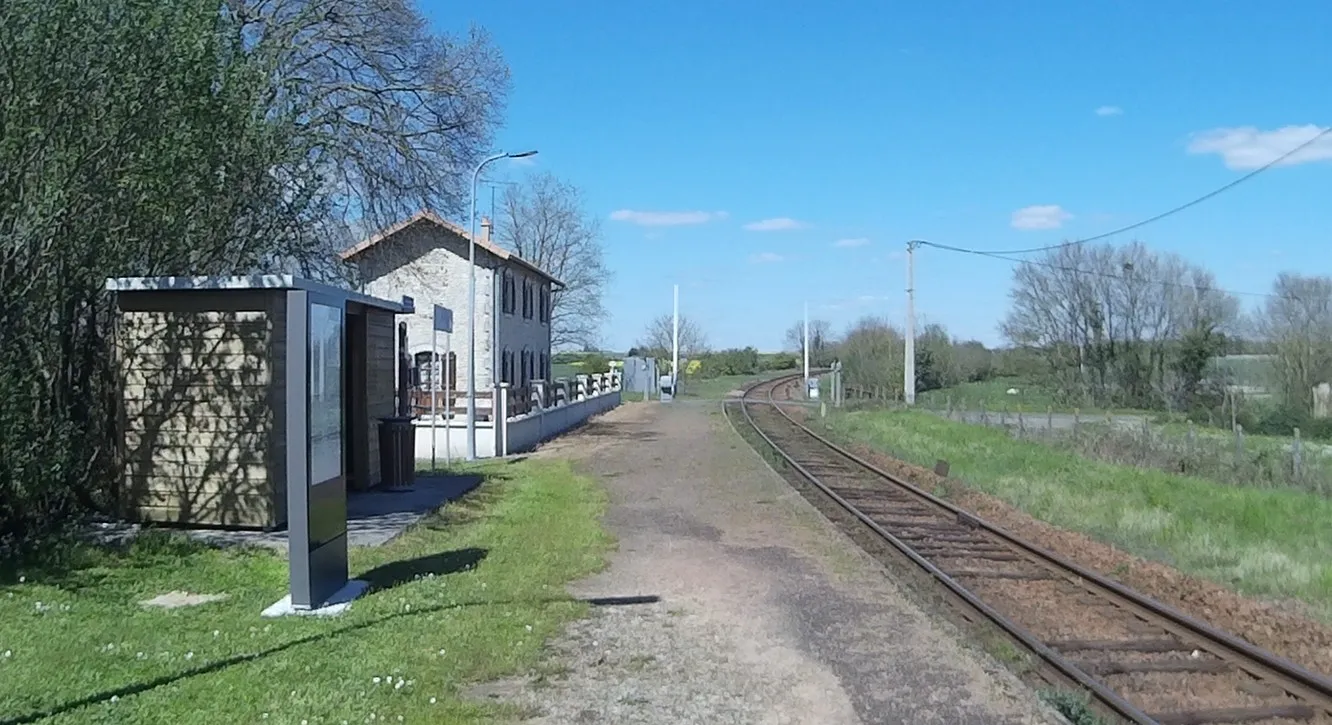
1183 448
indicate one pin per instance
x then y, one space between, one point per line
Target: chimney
485 230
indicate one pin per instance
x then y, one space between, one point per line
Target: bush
595 363
730 362
779 361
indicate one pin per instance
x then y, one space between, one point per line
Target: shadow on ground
619 430
135 688
404 572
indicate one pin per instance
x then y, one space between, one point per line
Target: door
356 438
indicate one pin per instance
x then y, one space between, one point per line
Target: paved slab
374 518
767 613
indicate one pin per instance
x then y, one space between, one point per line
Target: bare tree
386 116
546 223
821 340
1297 321
1111 323
656 339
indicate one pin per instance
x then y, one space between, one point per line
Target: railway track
1138 659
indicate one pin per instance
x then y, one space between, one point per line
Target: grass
467 595
717 388
565 370
1269 542
993 394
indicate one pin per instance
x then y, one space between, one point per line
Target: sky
765 155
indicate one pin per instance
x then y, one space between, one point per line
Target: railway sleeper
963 550
929 536
1234 715
953 554
1119 645
996 574
1200 666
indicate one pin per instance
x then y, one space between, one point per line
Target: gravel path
767 614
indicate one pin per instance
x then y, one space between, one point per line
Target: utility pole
909 369
806 347
675 344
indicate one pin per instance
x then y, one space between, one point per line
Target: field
468 595
1270 542
993 394
717 388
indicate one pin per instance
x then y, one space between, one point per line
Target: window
542 373
545 303
506 367
508 293
426 375
528 303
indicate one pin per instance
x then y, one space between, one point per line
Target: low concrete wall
451 437
570 402
525 432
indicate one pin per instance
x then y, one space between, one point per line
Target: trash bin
397 452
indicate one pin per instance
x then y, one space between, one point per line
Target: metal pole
675 344
471 314
909 371
434 392
448 402
805 345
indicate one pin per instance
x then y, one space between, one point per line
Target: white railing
551 409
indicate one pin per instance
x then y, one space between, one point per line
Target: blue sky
872 123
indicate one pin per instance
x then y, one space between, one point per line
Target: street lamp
471 308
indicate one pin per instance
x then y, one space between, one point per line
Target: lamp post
471 306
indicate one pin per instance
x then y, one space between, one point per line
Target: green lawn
468 595
1270 542
565 370
717 388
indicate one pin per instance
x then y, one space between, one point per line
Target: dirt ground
766 613
1279 628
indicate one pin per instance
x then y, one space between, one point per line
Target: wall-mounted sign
443 319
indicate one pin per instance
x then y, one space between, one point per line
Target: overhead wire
1123 278
1170 212
1002 254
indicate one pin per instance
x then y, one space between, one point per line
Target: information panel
326 325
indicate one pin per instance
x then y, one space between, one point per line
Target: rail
1313 690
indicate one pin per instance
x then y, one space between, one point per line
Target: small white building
425 258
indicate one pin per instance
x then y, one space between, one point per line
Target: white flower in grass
375 680
189 655
22 579
433 701
115 698
9 653
217 633
529 628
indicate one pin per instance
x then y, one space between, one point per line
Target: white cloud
1040 216
665 218
765 258
1109 111
856 242
1245 147
778 224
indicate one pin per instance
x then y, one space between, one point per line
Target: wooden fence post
1296 458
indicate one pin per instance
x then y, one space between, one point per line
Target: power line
1109 275
1170 212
